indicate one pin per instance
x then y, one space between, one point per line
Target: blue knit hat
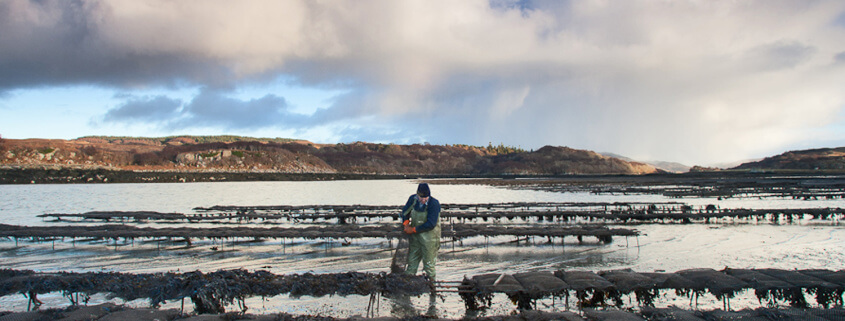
423 190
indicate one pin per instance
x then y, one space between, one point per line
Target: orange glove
410 230
406 223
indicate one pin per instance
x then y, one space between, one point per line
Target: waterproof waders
423 245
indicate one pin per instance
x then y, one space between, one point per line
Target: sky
698 82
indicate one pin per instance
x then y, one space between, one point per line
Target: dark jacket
432 208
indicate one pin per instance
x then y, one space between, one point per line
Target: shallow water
669 247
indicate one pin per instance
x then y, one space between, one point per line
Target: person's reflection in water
402 307
432 305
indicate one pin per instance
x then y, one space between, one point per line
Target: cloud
146 108
840 57
779 56
211 108
208 109
687 81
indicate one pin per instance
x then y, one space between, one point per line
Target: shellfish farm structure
561 237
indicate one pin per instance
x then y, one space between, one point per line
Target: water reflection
660 247
19 204
401 306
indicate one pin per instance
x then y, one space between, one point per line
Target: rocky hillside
243 154
561 160
811 159
670 167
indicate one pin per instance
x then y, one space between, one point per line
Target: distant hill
178 140
563 160
237 154
811 159
671 167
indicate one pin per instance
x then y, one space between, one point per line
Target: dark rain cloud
58 43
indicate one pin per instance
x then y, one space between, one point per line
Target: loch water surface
805 244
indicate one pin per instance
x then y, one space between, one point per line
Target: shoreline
67 175
46 174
